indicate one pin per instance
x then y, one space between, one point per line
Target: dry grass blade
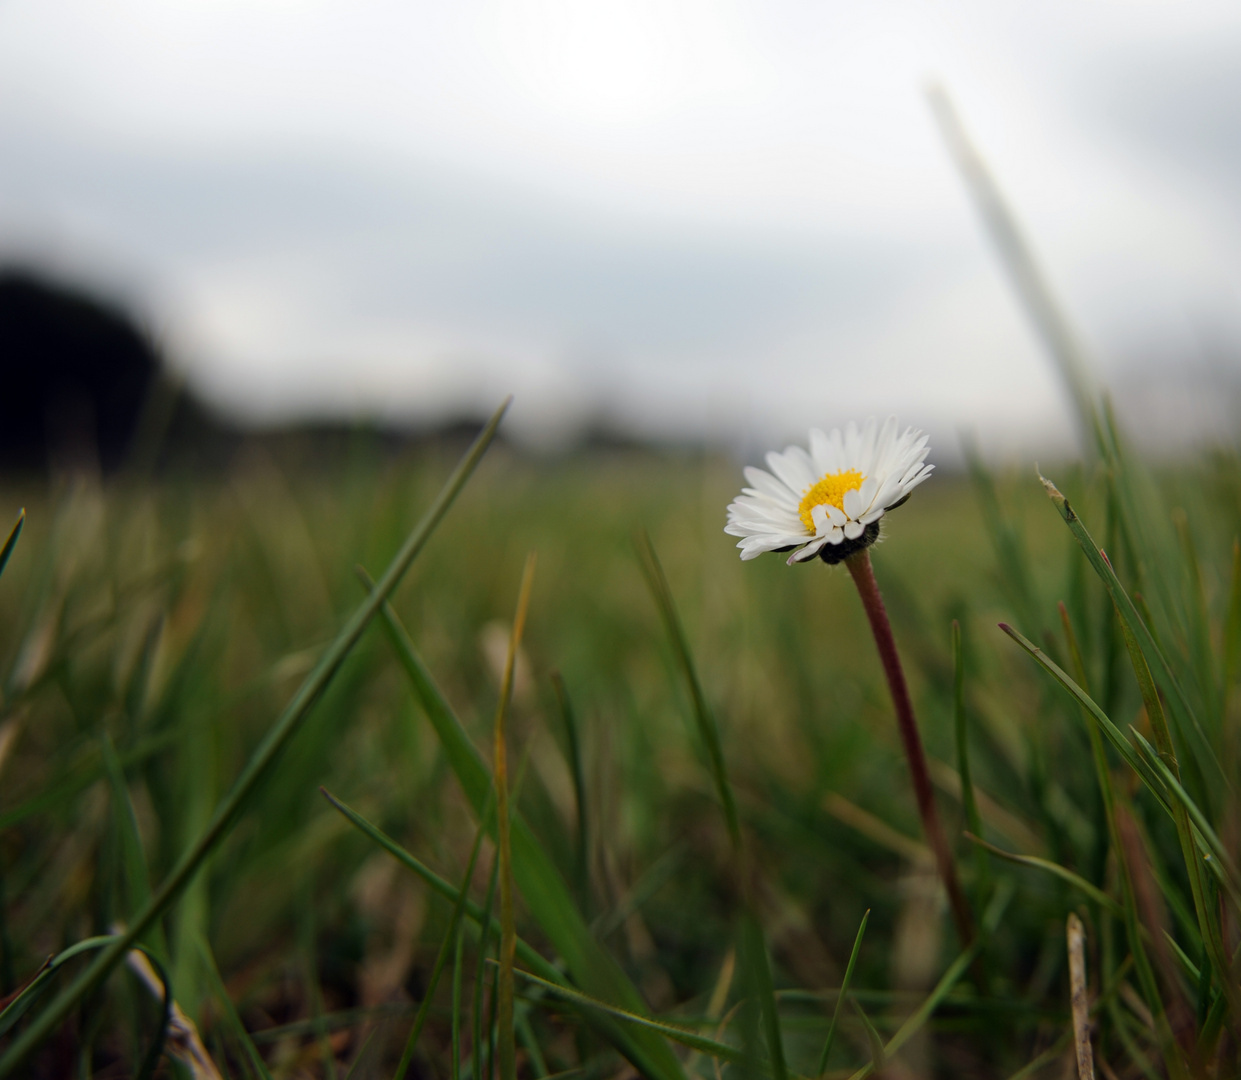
508 925
1079 1000
181 1040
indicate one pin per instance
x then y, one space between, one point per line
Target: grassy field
151 635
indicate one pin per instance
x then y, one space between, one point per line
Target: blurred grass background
172 620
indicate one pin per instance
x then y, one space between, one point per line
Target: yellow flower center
828 491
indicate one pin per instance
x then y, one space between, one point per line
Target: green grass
153 636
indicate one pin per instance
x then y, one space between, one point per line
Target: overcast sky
683 216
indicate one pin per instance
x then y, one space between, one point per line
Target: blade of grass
1199 620
878 1059
1009 549
21 1002
684 1036
1232 631
581 854
1023 269
447 946
982 868
1063 873
446 889
11 542
715 1003
362 1059
508 924
1208 927
1103 776
531 1043
1205 837
1106 726
654 878
990 920
708 730
1052 1053
458 964
756 969
844 991
490 1069
25 997
314 992
260 761
480 983
1190 730
231 1019
133 858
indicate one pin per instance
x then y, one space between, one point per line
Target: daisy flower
828 501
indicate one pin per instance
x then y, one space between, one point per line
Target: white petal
793 470
853 503
867 492
808 552
837 536
818 514
873 514
854 529
746 508
886 444
768 485
821 452
756 545
888 494
866 448
836 515
852 445
839 464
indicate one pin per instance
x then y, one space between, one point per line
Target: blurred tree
77 373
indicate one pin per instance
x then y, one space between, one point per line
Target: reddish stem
868 589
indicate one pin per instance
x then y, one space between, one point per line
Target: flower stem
868 589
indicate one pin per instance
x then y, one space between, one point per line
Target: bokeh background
674 221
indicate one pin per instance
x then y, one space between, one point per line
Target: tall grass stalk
508 916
